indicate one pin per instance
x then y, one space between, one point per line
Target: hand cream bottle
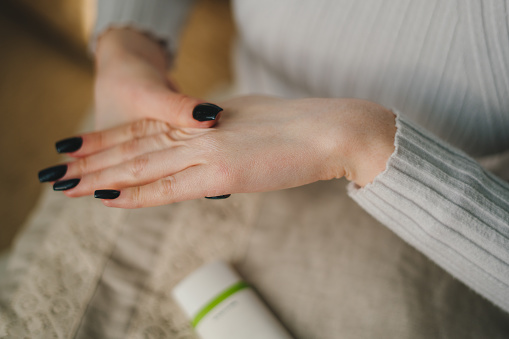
222 306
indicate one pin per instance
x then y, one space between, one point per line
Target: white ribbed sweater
444 65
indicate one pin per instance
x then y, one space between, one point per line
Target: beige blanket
325 268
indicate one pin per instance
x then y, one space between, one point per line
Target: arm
433 196
443 203
132 43
260 144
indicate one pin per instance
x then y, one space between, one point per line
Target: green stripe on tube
217 300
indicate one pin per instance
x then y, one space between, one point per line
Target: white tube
222 306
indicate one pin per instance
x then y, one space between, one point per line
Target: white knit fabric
162 19
442 202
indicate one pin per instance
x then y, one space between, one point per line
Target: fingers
180 111
122 153
98 141
141 170
192 183
132 155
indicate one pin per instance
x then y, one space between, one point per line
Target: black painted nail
69 145
65 184
206 112
52 173
219 197
106 194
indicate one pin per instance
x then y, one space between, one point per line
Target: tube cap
204 285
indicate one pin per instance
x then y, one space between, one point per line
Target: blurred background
46 85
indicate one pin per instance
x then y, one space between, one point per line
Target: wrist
378 148
359 140
121 43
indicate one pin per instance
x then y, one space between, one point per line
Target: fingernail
52 173
65 184
206 112
106 194
69 145
219 197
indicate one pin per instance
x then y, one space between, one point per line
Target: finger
97 141
141 170
192 183
185 111
122 153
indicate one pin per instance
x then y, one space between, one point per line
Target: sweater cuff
160 19
442 202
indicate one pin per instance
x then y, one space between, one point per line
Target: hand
131 83
261 144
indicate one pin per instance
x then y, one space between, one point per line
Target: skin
132 83
261 144
158 154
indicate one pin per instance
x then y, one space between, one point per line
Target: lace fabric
60 260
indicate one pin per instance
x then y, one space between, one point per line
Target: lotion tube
222 306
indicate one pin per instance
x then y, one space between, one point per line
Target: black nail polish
69 145
52 173
206 112
65 184
219 197
106 194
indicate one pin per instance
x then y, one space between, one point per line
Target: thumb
185 111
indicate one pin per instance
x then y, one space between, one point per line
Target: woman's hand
261 144
131 83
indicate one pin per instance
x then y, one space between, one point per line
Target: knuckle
173 136
167 186
83 165
168 138
137 166
130 147
139 128
161 126
136 198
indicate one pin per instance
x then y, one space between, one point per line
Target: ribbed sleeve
161 19
442 202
